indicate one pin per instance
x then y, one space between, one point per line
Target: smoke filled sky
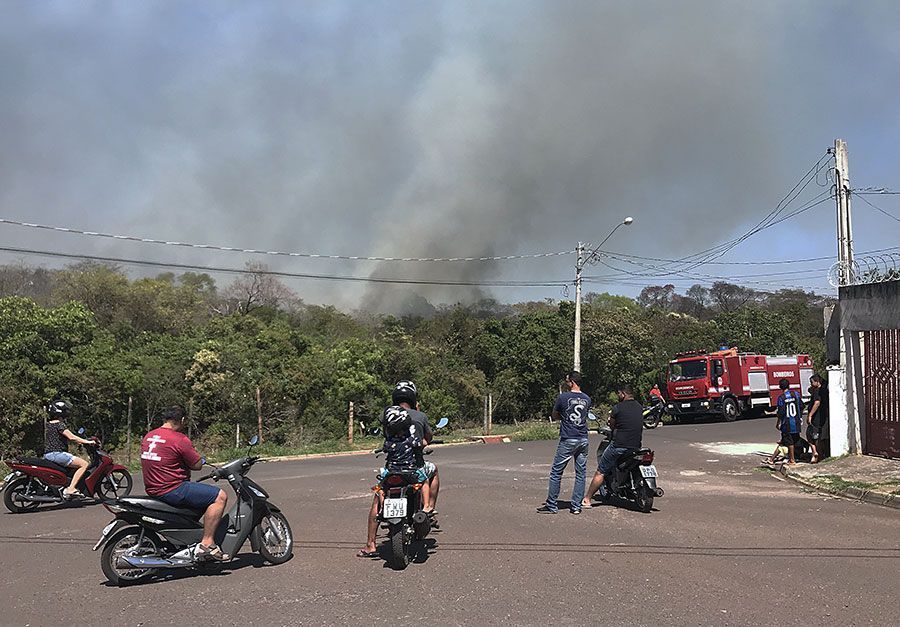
436 129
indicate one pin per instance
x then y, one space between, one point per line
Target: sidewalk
870 479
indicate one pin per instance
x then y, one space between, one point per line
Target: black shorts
789 439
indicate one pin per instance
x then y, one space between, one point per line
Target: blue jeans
567 449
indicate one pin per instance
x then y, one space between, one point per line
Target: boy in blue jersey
790 419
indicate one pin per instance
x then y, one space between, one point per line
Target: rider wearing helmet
406 433
56 445
406 395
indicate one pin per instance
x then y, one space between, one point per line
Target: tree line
93 336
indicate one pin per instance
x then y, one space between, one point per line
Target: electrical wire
147 240
297 275
887 213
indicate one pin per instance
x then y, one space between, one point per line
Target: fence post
490 415
350 424
237 435
259 415
128 434
484 417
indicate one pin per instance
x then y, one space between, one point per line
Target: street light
591 258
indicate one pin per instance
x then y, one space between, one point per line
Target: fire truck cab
730 384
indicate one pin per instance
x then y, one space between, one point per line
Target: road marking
731 448
349 497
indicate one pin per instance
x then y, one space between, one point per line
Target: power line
252 251
887 213
874 191
296 275
616 255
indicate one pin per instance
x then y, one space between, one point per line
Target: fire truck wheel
730 410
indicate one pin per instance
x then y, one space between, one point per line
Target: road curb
873 497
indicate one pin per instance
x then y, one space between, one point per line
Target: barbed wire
865 270
253 251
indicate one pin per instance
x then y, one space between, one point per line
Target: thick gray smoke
405 129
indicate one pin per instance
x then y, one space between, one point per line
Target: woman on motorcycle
56 445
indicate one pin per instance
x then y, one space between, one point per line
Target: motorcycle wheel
12 496
274 538
115 485
422 529
644 498
126 541
399 555
651 423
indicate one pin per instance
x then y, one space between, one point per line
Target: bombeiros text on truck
730 384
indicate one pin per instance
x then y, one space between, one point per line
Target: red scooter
36 481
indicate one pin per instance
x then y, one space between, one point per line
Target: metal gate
881 385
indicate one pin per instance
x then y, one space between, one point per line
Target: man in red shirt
167 459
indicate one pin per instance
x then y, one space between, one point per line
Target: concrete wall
870 307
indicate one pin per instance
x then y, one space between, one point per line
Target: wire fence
865 270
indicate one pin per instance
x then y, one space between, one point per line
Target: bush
537 431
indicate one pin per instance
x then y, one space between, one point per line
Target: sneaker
543 509
575 511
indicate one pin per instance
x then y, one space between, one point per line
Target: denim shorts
59 457
607 462
191 495
422 474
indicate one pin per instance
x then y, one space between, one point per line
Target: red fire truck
729 383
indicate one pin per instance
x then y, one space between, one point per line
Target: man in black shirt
817 418
627 422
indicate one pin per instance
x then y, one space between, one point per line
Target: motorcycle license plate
103 533
685 405
394 508
8 477
649 471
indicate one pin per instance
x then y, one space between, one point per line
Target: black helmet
59 409
396 421
405 392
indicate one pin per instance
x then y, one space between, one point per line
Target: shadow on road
57 507
204 569
759 552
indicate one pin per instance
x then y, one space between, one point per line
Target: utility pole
842 198
579 266
593 257
128 433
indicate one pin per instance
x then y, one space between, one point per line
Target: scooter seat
42 463
148 502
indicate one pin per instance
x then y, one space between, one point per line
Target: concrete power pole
842 197
579 266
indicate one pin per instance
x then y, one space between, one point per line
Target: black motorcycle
149 536
401 510
653 414
634 478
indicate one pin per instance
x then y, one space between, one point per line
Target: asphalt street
727 545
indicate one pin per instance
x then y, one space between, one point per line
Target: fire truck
730 384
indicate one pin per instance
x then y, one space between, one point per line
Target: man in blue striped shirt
790 418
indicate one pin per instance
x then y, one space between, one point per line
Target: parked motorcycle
35 481
148 536
634 478
653 414
401 510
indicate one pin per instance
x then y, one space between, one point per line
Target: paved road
727 545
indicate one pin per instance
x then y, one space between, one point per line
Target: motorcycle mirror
443 422
81 431
254 440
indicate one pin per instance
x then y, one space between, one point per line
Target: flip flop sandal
211 552
68 496
364 553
